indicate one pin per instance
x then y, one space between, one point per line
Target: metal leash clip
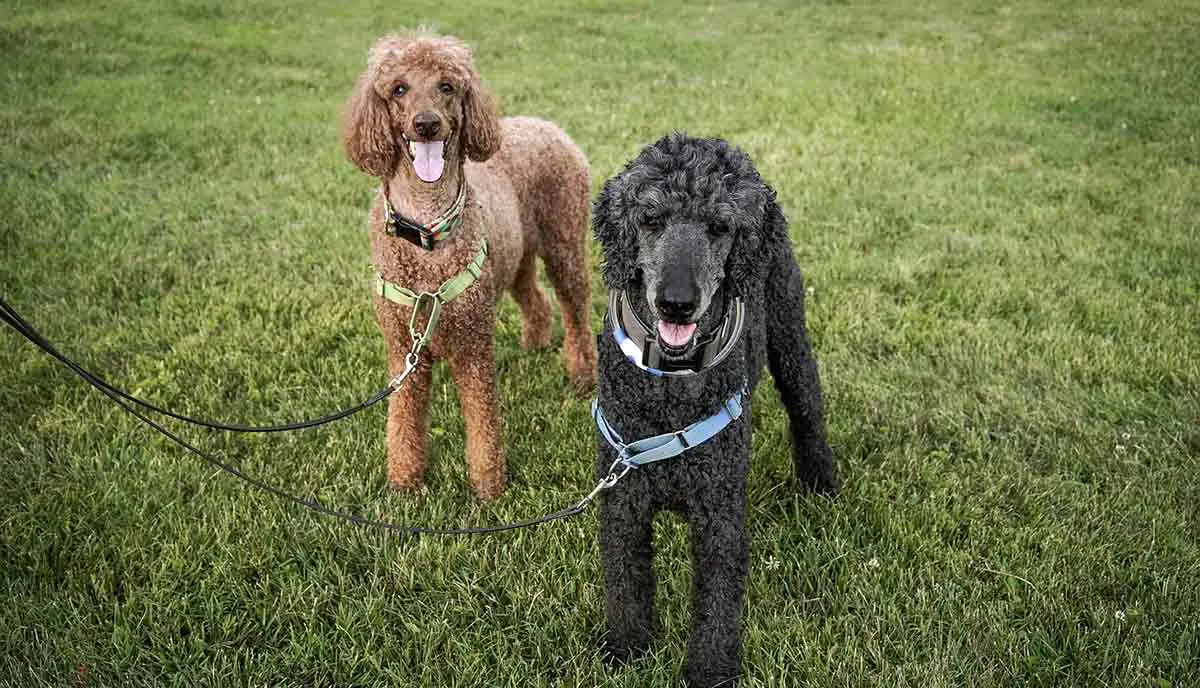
607 482
410 364
419 339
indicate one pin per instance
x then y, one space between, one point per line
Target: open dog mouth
675 338
428 159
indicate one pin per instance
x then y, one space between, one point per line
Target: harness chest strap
445 293
671 444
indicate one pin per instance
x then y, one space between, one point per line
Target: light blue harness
671 444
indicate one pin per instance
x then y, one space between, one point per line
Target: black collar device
639 341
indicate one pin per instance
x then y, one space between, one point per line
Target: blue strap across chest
671 444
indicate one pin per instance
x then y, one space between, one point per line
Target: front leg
627 553
408 408
789 356
720 563
473 365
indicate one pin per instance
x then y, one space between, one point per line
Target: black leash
129 404
14 319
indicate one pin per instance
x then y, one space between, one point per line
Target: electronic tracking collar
427 236
639 341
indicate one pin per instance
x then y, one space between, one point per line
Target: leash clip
410 363
607 482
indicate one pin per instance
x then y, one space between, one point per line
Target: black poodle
704 290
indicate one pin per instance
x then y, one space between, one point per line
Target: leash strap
129 404
10 317
671 444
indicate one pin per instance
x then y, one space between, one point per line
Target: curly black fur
685 182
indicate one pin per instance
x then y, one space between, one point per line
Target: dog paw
405 472
533 339
617 654
488 488
814 468
819 479
711 670
583 383
824 484
696 679
405 483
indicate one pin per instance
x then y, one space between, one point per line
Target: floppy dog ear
751 249
481 126
616 238
367 130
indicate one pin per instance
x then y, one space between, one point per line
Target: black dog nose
676 302
427 124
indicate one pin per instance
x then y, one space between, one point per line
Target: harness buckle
683 441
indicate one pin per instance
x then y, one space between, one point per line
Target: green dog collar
425 235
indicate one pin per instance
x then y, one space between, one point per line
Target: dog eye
446 87
400 90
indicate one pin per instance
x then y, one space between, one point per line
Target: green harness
446 293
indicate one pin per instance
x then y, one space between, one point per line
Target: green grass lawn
998 213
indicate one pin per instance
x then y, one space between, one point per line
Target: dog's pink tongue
675 335
428 161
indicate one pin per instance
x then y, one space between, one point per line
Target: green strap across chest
449 289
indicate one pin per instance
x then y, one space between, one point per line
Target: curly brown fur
683 226
528 189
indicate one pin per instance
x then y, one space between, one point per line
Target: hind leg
789 356
564 250
534 305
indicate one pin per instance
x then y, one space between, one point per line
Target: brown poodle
422 121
